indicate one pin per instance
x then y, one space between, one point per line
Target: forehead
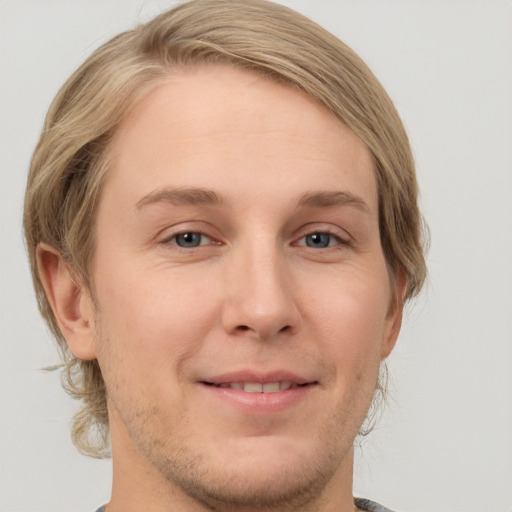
219 126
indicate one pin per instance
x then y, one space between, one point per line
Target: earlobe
394 318
70 302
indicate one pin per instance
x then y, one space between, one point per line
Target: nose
260 296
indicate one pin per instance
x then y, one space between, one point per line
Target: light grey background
445 443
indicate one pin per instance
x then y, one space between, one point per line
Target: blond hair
70 161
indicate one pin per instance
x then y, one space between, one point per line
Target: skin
289 276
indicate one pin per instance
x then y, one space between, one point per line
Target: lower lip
261 403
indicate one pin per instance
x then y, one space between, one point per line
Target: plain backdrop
445 441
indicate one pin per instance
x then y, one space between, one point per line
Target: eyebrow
182 197
326 199
207 197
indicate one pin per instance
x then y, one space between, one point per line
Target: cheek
153 316
351 315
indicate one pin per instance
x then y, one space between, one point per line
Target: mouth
260 392
258 387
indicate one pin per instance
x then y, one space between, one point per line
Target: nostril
244 328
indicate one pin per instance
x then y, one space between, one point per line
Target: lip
259 403
254 376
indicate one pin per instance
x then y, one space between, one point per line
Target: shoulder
370 506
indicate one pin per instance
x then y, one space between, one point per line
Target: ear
393 321
70 301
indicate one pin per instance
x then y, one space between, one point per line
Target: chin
256 488
261 473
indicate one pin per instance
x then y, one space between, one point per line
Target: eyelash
340 241
173 239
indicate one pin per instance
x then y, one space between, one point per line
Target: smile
261 393
256 387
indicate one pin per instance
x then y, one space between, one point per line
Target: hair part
71 161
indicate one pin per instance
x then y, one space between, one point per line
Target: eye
320 240
190 240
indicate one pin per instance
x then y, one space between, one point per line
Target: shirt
369 506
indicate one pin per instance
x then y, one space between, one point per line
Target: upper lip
259 377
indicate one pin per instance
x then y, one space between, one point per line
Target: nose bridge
260 295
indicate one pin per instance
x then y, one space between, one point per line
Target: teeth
271 387
285 385
256 387
253 387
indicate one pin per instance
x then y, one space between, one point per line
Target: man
222 224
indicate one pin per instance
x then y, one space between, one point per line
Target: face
244 303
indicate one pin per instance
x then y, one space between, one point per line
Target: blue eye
189 240
320 240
